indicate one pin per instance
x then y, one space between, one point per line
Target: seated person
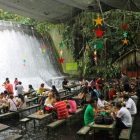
82 81
72 106
130 104
3 102
133 91
21 102
84 95
42 99
65 85
55 92
61 109
123 118
94 93
112 93
89 112
49 102
12 103
99 84
31 91
101 102
42 89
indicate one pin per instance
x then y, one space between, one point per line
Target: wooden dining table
105 127
3 127
36 116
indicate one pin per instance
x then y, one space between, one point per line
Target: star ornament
125 34
61 60
125 41
98 21
99 32
124 26
61 45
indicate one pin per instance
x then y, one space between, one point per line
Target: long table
35 116
73 85
110 127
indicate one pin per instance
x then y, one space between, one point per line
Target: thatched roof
129 58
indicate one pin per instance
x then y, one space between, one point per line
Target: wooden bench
56 123
7 114
83 132
29 108
14 137
52 126
66 97
126 133
32 100
19 111
62 92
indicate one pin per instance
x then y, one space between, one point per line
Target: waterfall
25 55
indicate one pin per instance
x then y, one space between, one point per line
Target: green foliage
81 31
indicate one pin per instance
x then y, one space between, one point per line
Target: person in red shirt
99 84
16 82
61 109
9 87
112 93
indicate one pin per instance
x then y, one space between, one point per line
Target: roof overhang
61 10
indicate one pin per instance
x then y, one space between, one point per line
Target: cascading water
23 54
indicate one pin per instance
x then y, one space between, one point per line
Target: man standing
9 87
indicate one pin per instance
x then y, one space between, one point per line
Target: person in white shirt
12 103
130 104
123 118
101 102
19 88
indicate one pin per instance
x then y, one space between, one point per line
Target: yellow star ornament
125 41
98 21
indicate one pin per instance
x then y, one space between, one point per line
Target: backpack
99 119
108 120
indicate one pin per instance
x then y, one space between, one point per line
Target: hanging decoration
99 32
95 56
98 21
124 26
125 41
99 44
61 59
61 45
125 34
